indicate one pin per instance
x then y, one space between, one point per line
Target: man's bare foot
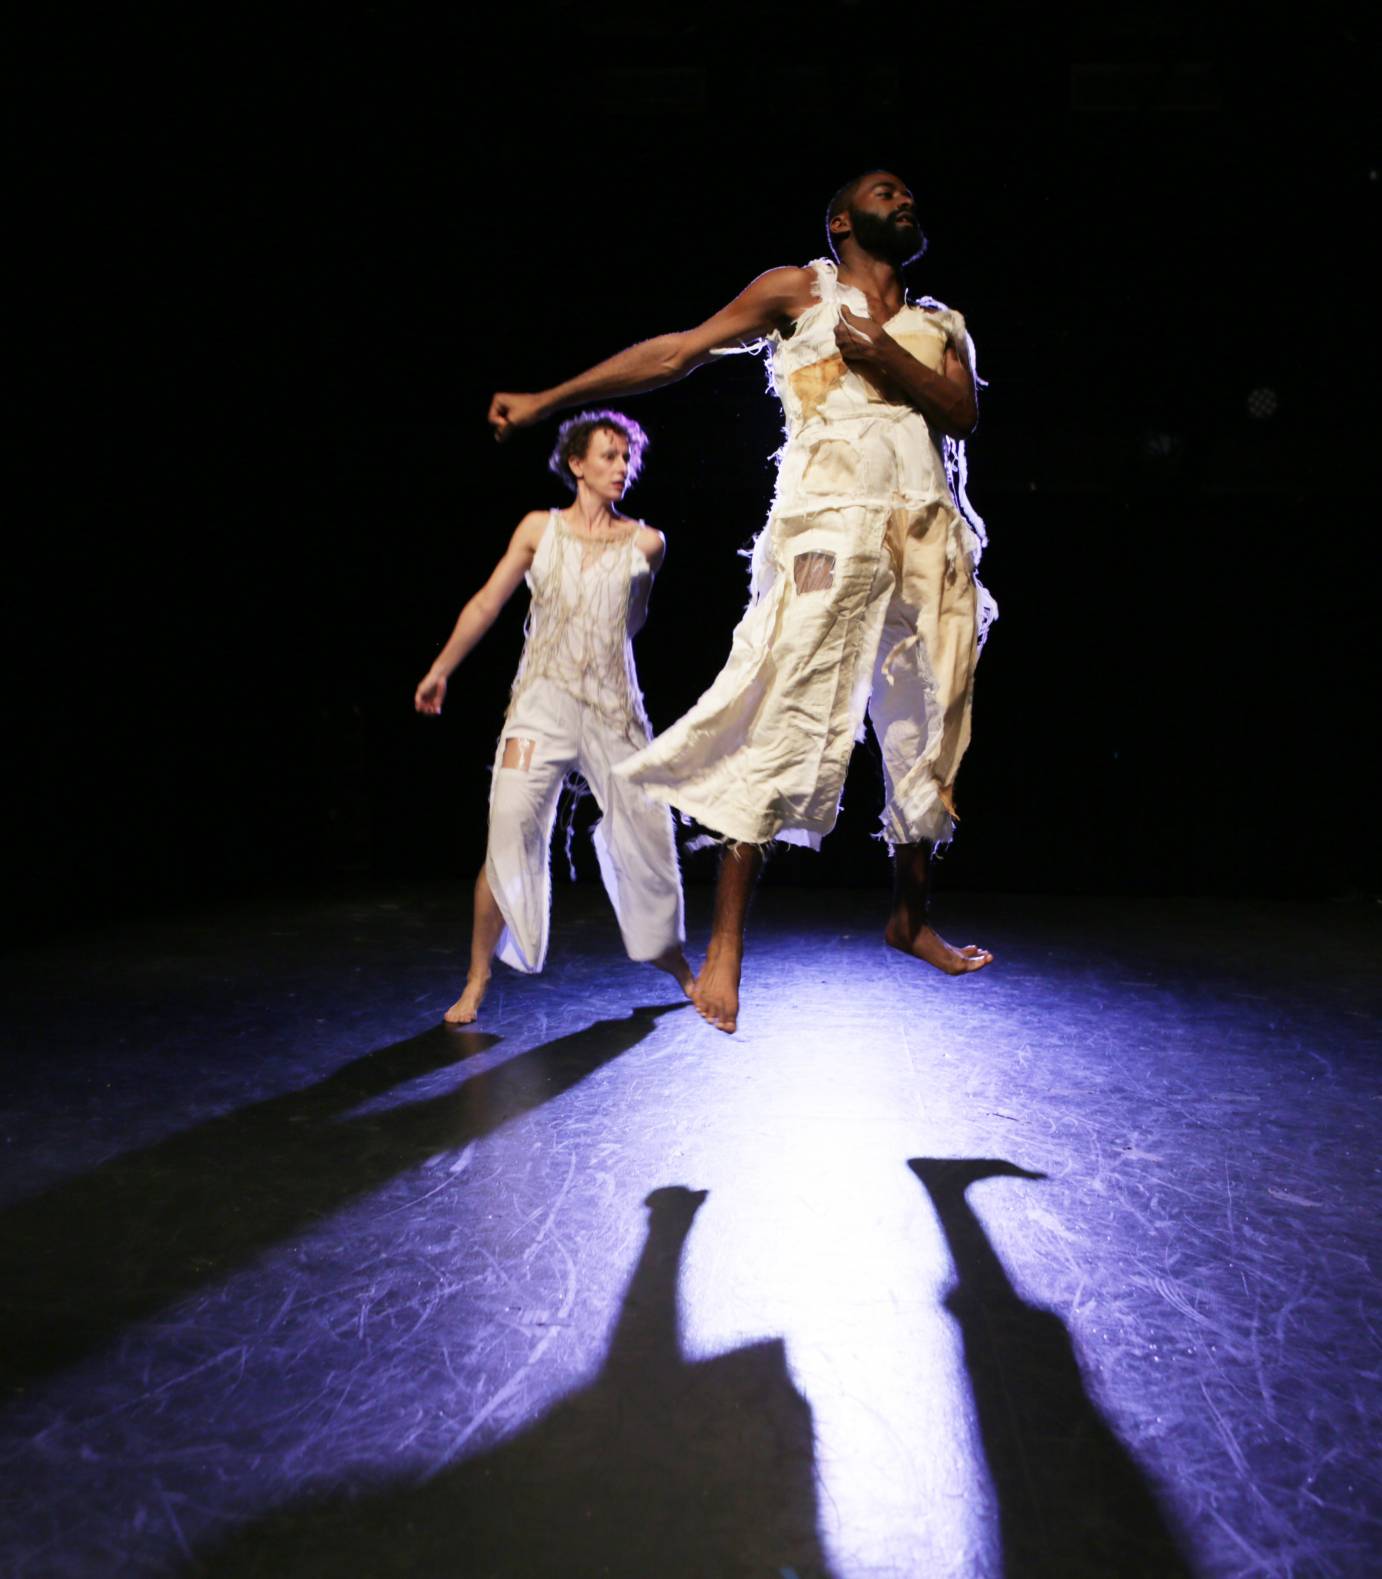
673 961
929 945
716 990
467 1006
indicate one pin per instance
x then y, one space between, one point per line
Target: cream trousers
549 734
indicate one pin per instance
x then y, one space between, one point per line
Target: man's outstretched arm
778 295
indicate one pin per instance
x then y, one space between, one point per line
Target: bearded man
863 590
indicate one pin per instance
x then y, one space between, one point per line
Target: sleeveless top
589 598
813 380
818 388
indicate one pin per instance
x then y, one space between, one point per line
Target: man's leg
716 993
909 931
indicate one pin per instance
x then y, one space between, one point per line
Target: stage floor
1063 1268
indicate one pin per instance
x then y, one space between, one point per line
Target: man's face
883 217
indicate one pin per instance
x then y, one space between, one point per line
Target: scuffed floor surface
1060 1269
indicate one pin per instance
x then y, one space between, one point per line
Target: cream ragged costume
576 701
863 593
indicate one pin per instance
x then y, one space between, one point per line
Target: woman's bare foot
467 1006
673 961
716 990
927 944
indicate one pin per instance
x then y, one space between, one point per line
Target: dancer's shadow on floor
86 1257
661 1468
1072 1503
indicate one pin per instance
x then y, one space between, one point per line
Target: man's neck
876 277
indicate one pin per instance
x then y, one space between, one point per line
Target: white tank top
589 600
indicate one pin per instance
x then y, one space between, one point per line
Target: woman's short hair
573 442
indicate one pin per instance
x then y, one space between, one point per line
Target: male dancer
863 590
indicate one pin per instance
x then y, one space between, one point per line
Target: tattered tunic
576 708
863 594
589 599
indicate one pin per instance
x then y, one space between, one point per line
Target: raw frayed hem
936 847
708 840
935 828
648 959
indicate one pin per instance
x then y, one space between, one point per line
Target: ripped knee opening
814 572
518 753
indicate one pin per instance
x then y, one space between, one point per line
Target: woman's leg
485 931
638 857
513 891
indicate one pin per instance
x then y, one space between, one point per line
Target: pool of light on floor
820 1235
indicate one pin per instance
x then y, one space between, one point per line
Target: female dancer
575 705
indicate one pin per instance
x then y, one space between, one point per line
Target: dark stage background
280 260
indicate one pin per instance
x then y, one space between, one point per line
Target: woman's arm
481 612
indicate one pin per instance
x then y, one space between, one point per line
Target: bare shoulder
528 533
786 277
651 543
787 287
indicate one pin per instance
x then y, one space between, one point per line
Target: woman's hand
430 694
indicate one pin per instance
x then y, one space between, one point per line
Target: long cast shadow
662 1468
86 1257
1072 1503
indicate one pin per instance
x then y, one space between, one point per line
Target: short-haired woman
575 705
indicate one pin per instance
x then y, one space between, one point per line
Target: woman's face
604 468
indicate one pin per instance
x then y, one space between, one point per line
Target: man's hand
507 412
430 694
860 341
945 398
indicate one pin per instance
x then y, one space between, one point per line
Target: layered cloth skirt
863 597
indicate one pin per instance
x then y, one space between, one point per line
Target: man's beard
885 238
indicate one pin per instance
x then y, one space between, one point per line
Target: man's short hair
575 434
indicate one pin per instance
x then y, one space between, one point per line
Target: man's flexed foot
925 943
908 930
